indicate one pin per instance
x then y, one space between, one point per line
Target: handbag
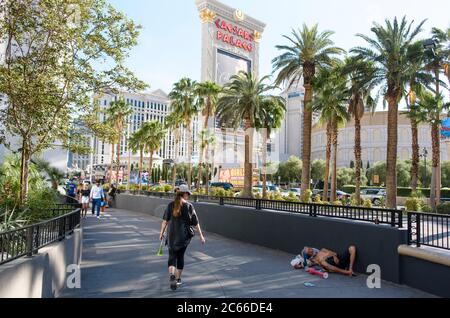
189 228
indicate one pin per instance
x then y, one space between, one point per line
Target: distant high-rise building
146 107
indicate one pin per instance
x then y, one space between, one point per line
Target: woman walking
180 219
84 194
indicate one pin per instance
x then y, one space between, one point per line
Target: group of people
341 263
95 195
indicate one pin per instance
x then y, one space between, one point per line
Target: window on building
105 102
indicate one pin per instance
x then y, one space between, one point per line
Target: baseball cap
185 189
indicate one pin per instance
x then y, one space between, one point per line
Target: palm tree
183 99
331 101
55 175
244 98
437 61
137 143
117 114
273 110
362 80
389 51
154 132
310 51
174 123
418 81
208 93
434 106
207 138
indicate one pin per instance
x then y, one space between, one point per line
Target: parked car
295 191
270 188
224 185
179 182
339 194
374 195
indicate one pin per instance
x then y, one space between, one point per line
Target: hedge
401 192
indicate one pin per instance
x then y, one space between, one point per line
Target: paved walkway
119 260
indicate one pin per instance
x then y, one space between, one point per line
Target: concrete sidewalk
119 260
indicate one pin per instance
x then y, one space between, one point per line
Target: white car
295 191
374 195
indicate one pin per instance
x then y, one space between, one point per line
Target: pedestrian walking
180 219
84 194
97 196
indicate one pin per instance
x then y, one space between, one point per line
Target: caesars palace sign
234 35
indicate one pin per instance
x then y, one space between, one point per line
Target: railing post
30 231
221 202
258 204
315 210
393 218
418 229
409 229
36 241
310 206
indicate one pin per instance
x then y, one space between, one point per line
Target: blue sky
169 44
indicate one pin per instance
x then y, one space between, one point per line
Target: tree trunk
199 167
129 168
358 159
141 166
112 164
306 152
189 153
438 150
327 161
334 175
434 195
24 170
264 169
415 155
118 162
150 168
391 160
175 156
207 170
248 167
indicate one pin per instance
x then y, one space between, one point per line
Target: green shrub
414 204
292 198
443 208
367 203
275 196
337 203
168 188
426 208
306 196
317 199
146 188
121 187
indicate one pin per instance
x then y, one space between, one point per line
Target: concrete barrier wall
425 275
43 275
376 244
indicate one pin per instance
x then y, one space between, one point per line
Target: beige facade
374 140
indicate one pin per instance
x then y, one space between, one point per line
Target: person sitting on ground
333 262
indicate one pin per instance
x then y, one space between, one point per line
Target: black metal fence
393 218
28 240
429 230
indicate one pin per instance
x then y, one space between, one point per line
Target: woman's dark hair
177 205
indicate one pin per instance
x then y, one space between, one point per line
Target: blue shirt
71 189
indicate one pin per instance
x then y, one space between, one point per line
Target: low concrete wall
43 275
377 244
426 269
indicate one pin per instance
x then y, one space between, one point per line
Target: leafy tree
184 102
290 171
309 52
51 69
246 99
389 51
